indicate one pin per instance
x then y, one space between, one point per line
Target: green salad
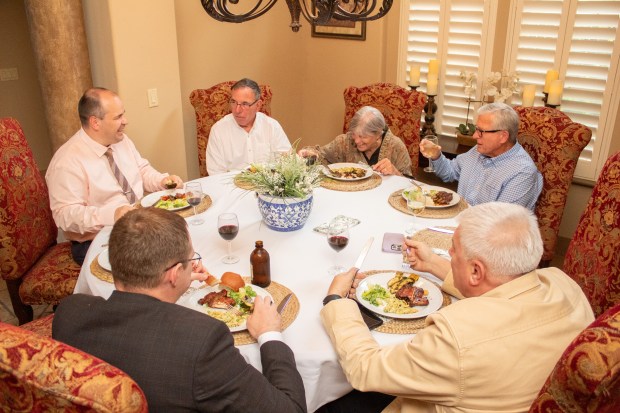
242 297
376 294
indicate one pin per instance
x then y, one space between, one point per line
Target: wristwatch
330 298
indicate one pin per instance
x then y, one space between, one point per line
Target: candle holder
548 105
430 108
414 87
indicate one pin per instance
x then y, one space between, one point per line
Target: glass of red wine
337 238
194 195
228 227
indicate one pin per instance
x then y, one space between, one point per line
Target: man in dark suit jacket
183 360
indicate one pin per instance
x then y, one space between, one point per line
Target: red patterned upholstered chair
212 105
37 270
593 255
554 142
41 326
402 109
40 374
587 376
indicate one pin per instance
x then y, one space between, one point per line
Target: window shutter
456 32
577 37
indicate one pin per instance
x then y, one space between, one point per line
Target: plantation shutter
456 33
578 38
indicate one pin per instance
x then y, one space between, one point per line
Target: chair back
27 228
593 255
554 142
212 105
587 376
41 374
402 109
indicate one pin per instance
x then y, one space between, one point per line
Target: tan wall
133 48
21 99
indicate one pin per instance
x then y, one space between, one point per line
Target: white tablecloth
299 260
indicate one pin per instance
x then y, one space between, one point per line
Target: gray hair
505 118
245 82
503 236
367 121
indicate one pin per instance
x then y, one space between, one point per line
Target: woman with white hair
369 141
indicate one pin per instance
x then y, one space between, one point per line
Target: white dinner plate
435 299
191 301
429 202
333 166
104 260
150 199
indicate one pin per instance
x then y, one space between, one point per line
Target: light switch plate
153 99
9 73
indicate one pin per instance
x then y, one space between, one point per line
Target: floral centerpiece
284 188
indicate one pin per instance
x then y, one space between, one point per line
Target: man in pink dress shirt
85 195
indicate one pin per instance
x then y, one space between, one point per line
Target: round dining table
299 261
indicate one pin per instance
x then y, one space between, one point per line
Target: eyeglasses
196 257
481 132
244 105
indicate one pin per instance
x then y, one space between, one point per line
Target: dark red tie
122 181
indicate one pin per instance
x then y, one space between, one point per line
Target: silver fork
233 310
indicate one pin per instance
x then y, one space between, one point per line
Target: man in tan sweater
492 350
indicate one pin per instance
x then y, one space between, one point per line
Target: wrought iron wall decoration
316 12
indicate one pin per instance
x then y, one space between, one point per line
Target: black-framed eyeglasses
481 132
244 105
196 257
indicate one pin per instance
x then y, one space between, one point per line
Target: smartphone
371 319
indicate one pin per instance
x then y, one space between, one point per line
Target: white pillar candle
555 92
431 85
552 75
529 93
414 75
433 67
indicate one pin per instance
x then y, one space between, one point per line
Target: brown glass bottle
260 267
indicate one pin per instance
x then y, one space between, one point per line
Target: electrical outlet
9 73
153 99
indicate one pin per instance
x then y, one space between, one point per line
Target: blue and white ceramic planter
284 214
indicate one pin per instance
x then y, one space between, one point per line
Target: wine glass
337 238
228 227
194 195
430 152
416 203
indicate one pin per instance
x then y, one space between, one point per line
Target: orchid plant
496 87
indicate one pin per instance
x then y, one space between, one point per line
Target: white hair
503 236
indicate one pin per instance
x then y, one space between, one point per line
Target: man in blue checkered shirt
497 168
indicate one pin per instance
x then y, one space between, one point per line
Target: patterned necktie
122 181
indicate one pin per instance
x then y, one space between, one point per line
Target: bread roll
232 280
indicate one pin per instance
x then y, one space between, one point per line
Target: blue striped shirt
510 177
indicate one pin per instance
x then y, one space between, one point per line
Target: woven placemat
435 239
411 326
100 272
398 202
278 292
189 212
242 185
353 186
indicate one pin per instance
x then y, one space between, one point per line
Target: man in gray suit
183 360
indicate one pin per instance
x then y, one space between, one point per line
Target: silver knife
362 256
284 303
444 230
360 260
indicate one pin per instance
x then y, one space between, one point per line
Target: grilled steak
218 299
412 295
442 198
